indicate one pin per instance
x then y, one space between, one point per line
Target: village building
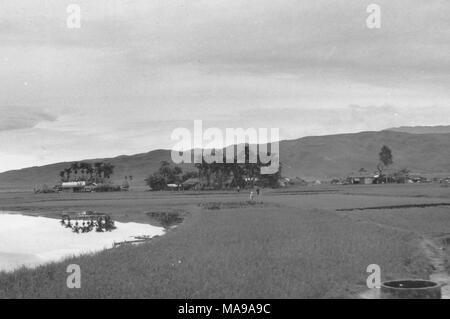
191 183
361 178
73 186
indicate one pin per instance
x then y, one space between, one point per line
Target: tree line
216 175
96 172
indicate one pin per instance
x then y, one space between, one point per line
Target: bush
167 219
44 190
107 188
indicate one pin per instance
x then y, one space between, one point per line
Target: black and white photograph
236 151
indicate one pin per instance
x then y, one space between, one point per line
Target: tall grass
256 252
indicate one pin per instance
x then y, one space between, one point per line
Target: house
173 186
125 186
90 188
361 178
191 183
416 178
73 186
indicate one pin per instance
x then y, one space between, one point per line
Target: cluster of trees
217 175
168 174
96 172
386 159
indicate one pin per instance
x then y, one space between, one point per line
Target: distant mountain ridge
441 129
312 157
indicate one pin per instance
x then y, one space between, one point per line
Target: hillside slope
139 166
335 155
441 129
315 157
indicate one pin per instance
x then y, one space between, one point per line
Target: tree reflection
86 224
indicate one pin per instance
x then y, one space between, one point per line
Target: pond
32 241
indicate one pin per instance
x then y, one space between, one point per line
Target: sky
136 70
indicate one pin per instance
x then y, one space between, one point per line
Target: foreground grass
297 250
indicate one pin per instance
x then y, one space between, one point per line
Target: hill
139 166
442 129
313 157
337 155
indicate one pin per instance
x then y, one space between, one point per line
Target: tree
213 174
165 170
90 171
272 180
401 176
68 171
177 170
101 170
84 170
108 170
98 170
189 175
169 172
166 174
156 182
386 159
74 168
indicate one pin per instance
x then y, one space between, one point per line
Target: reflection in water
32 241
87 223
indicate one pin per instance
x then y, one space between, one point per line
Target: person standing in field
258 194
251 196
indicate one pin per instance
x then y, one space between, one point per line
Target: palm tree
201 170
166 171
83 170
108 170
89 170
75 167
68 172
98 167
62 174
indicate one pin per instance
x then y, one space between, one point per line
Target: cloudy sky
136 70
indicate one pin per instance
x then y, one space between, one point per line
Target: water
32 241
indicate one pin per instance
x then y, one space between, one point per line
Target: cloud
294 122
17 117
138 69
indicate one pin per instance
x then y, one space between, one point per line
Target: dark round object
410 289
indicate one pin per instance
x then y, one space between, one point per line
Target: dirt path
434 246
434 249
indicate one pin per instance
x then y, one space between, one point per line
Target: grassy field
300 243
